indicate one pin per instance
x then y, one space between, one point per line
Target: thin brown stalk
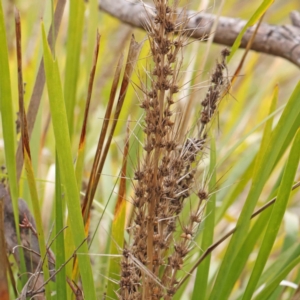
81 146
22 115
133 54
247 49
134 51
90 90
122 187
92 181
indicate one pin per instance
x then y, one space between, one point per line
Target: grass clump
173 207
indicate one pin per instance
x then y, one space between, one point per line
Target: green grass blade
8 129
285 127
255 17
201 280
276 216
273 284
256 231
229 198
75 30
63 146
7 114
82 142
258 228
285 259
61 287
246 249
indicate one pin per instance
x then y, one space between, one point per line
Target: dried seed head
138 175
225 52
195 217
202 194
181 250
204 117
174 89
166 177
169 27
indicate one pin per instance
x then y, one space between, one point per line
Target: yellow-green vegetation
156 166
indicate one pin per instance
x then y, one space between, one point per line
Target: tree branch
282 41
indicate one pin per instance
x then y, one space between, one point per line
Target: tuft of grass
166 206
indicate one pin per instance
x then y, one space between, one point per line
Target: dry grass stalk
102 148
165 177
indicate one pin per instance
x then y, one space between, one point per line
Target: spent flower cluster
165 176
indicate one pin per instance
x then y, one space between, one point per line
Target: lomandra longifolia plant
165 176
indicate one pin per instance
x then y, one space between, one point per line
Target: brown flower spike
166 176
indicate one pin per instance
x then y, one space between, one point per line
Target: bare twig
282 41
63 265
